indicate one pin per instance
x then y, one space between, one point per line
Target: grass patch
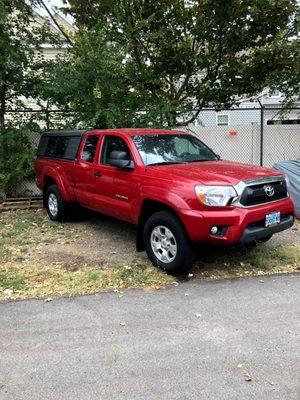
35 282
248 261
19 229
25 234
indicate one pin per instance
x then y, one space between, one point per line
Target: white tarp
291 169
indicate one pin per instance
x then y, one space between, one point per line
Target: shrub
16 157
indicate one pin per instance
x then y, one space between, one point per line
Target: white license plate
272 219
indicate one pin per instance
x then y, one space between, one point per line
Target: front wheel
55 204
167 244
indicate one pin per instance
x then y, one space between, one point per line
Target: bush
16 157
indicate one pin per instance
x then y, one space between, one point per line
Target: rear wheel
55 204
166 242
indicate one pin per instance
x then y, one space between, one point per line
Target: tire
167 244
55 204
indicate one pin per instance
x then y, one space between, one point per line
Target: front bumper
243 224
256 232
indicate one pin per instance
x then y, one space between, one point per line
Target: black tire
183 260
61 204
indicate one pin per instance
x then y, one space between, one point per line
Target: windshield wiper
202 160
167 162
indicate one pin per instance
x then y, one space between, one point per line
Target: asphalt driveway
220 340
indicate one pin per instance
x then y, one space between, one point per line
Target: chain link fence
257 135
261 136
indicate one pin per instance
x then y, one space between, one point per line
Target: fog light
214 230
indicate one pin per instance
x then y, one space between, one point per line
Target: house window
222 119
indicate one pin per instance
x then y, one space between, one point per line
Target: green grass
32 281
11 281
21 229
248 260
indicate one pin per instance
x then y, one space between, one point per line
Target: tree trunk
2 109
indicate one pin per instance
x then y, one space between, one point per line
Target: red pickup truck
170 184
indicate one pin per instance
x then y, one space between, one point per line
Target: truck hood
213 172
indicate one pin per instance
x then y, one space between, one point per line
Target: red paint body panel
122 193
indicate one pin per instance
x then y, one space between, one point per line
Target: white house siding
248 113
236 117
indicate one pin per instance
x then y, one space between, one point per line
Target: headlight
218 196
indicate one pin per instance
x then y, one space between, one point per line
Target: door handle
97 174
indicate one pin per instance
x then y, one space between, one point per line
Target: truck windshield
172 149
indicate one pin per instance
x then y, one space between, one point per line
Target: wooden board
21 204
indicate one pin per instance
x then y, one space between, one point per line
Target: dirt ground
108 242
101 239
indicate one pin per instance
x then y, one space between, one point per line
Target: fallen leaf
48 300
247 376
198 315
240 365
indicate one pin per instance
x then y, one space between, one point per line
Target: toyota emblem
269 190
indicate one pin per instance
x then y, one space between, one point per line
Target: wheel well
48 181
148 208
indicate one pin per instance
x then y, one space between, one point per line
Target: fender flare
165 198
57 174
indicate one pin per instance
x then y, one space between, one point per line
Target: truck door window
51 146
89 149
113 143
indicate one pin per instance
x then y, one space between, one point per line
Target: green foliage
16 157
141 62
21 59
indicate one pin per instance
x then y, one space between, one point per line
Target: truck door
84 170
115 188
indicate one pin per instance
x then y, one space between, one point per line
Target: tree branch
62 31
192 119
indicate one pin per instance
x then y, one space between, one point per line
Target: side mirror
119 159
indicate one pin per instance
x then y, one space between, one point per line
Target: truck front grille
264 193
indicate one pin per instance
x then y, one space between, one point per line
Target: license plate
272 219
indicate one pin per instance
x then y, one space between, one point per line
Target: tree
20 60
154 62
